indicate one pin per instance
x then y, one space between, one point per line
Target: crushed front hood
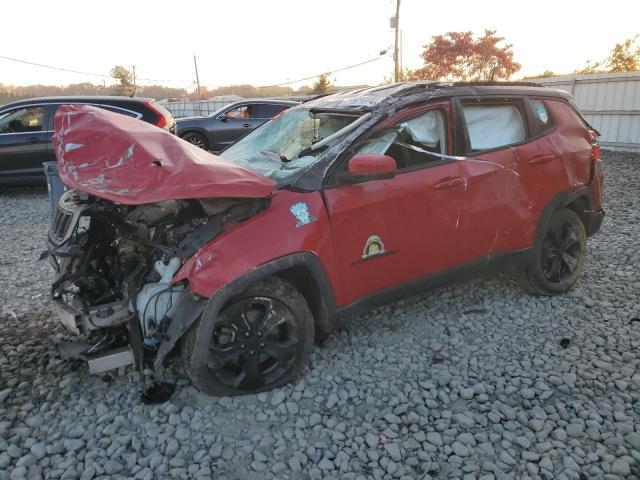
125 160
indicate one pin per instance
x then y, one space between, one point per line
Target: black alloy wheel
259 340
197 140
560 258
254 343
561 251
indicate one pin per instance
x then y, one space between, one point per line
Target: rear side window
493 126
122 111
267 110
542 117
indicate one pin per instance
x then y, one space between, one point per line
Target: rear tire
196 139
560 258
260 340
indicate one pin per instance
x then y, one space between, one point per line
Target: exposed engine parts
115 262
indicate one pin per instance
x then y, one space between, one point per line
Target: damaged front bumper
72 316
132 320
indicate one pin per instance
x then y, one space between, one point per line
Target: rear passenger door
496 205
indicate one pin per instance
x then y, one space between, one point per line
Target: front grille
61 223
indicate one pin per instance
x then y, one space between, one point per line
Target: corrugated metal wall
610 102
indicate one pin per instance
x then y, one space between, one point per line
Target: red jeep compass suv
339 204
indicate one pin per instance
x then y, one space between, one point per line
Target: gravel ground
474 381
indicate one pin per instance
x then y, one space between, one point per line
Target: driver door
234 124
24 142
388 233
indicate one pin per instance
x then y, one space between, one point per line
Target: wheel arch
579 200
198 130
303 269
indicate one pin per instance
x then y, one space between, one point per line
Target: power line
54 68
81 72
327 73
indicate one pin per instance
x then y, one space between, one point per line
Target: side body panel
556 162
413 218
414 221
293 222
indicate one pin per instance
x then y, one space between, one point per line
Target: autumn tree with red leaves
459 56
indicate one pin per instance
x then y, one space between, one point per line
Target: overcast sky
270 42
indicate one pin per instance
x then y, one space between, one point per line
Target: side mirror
223 117
371 166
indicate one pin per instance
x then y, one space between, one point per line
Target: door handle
449 183
540 159
33 140
246 125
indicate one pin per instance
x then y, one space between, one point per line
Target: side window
240 113
542 118
412 143
493 126
19 120
121 111
265 110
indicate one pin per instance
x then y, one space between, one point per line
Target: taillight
162 120
595 162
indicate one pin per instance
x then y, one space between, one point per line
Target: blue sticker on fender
302 214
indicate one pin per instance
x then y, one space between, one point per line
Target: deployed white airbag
492 126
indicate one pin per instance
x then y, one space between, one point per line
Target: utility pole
396 57
195 63
133 67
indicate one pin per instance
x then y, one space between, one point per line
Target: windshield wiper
306 151
274 155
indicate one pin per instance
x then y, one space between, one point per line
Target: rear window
492 126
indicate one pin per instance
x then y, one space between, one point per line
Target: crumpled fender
294 222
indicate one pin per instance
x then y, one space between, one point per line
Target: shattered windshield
282 147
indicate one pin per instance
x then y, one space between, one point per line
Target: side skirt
503 262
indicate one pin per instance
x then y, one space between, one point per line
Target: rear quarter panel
569 145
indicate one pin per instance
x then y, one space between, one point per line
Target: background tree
125 79
546 74
625 56
460 56
322 85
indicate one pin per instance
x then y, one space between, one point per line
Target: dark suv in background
223 127
26 128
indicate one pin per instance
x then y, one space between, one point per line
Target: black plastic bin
54 185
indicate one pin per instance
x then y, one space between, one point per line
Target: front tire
260 340
196 139
560 258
